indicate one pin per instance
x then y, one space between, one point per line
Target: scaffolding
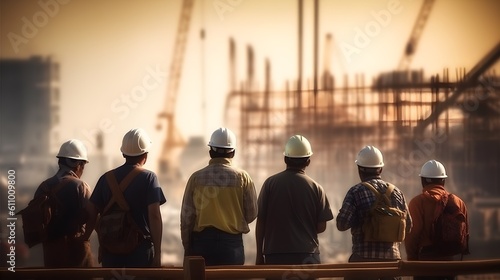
396 112
341 120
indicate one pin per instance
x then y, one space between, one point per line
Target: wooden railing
194 269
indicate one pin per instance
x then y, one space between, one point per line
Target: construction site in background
411 116
453 116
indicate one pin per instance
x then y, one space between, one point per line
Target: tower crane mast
411 45
173 139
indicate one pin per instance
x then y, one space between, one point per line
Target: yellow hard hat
298 147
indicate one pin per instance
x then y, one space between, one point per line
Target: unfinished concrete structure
454 118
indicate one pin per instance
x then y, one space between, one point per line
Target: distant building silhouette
29 114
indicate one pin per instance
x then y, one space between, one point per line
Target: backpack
449 229
117 231
39 213
383 222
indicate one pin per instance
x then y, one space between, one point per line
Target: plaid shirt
221 196
355 206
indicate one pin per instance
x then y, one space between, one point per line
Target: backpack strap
47 191
52 191
117 190
387 194
441 205
372 188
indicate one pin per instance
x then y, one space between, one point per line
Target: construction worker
356 205
142 194
67 243
219 202
293 209
424 209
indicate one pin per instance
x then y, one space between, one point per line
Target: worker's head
135 145
433 173
222 143
369 161
73 154
297 152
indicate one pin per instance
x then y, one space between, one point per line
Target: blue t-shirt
142 191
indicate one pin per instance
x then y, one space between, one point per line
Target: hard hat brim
75 158
433 177
369 166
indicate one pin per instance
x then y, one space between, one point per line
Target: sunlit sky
107 49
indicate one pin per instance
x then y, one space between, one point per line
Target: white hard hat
223 138
297 146
135 142
73 149
433 169
370 157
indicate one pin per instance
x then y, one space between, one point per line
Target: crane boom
173 138
470 80
411 45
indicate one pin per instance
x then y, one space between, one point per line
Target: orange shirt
423 210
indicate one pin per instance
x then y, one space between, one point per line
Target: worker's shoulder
274 179
208 168
66 179
124 170
72 180
49 181
241 171
396 189
146 175
383 185
147 171
457 200
231 168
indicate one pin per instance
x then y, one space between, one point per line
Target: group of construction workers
220 201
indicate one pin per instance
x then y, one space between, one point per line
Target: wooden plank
194 268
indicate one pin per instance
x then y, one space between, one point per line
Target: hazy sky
115 55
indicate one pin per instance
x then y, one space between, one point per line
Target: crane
470 80
411 45
173 139
401 74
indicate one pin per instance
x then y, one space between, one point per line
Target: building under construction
453 116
